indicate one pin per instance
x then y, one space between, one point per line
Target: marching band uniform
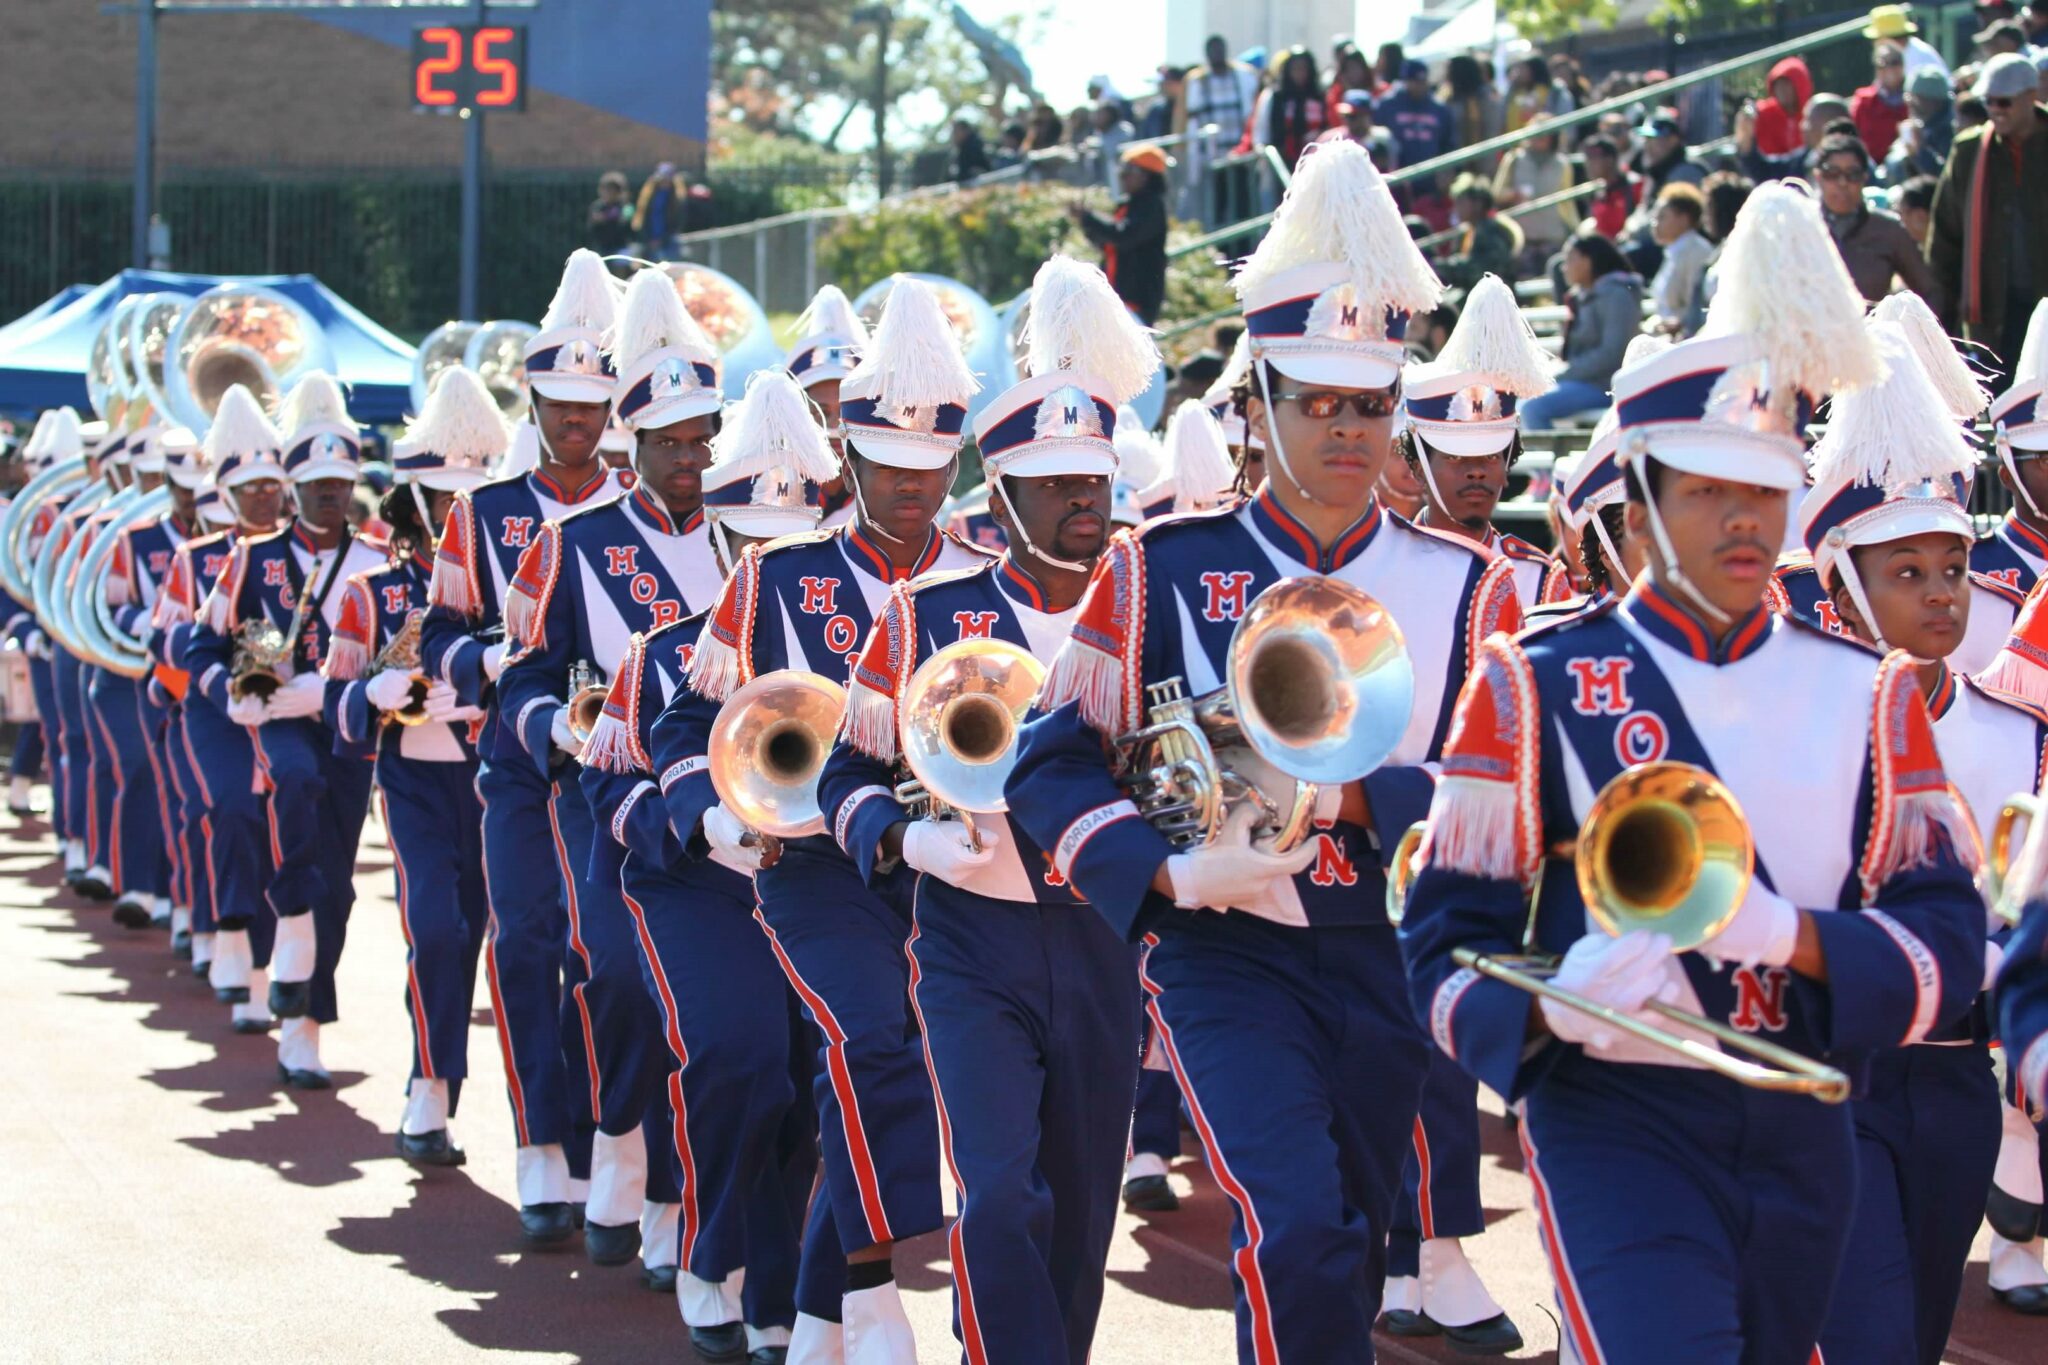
745 1129
69 674
1195 473
2021 998
316 786
1284 1021
1927 1126
1026 1000
532 843
1993 608
1761 1183
122 834
2016 552
30 747
830 339
588 582
806 603
426 772
58 437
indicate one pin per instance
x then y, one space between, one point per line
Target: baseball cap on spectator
1148 156
1414 69
2004 28
2005 76
1353 101
1929 84
1660 124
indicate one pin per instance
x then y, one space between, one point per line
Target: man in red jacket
1777 118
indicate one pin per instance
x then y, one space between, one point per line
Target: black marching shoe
131 914
727 1341
659 1278
1150 1194
248 1027
546 1225
2030 1299
2011 1218
1494 1336
300 1079
770 1355
232 995
181 943
430 1149
290 999
611 1245
93 886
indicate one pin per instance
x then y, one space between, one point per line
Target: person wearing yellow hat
1133 237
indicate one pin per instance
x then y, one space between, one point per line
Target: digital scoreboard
459 68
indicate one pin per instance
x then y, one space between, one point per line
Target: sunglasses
1323 404
2000 101
1844 173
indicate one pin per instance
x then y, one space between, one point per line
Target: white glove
940 848
443 705
1624 973
494 659
1764 931
389 690
299 698
38 645
726 834
248 710
1234 871
558 732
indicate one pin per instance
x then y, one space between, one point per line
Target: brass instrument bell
587 692
959 715
768 747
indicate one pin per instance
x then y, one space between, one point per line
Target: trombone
1664 847
768 747
960 713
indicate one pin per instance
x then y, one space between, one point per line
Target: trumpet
1320 691
587 692
768 746
403 652
960 713
1665 847
263 653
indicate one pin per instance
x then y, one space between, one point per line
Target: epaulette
533 588
454 586
1470 547
724 657
1514 547
940 577
1173 521
348 650
2017 703
1914 811
984 551
1999 588
1820 632
614 743
878 673
798 538
1583 615
373 542
1545 612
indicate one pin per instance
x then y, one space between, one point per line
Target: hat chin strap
995 490
1674 575
2012 469
1620 574
860 502
1274 445
1853 581
419 500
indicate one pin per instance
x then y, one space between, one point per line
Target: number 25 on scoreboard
469 66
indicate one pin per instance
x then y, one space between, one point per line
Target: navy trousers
1155 1122
1688 1218
1301 1064
841 946
435 825
744 1145
230 823
1440 1178
530 843
155 721
623 1028
132 834
27 759
1030 1015
317 802
42 677
1927 1133
194 823
74 761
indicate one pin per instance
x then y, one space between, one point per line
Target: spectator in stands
1880 107
1352 73
1045 129
1133 238
1162 112
1777 118
1533 93
1487 244
1914 203
1355 124
1101 88
1476 110
1663 160
1725 192
1421 126
970 153
2035 21
1988 248
1620 130
1537 169
1609 209
658 215
1387 67
1924 139
1010 149
1292 111
611 217
1821 111
1970 113
1676 227
2005 36
1572 77
1874 245
1218 94
1604 310
1107 135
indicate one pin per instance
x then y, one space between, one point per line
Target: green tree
1542 21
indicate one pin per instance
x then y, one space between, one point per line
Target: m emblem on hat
923 421
1067 413
1475 404
670 378
578 357
1742 398
1338 316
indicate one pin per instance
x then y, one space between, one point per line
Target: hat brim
669 411
1888 522
1348 371
253 474
572 388
1758 464
900 452
453 480
326 469
2032 436
185 477
1467 439
763 523
1049 458
149 464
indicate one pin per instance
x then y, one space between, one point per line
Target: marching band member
1225 400
830 340
91 877
586 584
317 789
2016 552
58 436
532 844
1890 535
1195 473
426 754
1027 1000
1595 502
25 764
244 454
806 603
1859 931
745 1127
2021 998
1274 979
1462 431
107 706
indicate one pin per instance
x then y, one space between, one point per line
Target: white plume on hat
316 398
587 295
461 421
1960 386
522 455
239 428
1898 431
1078 323
1782 284
1139 457
1237 367
1340 209
1642 346
652 318
2032 366
1198 469
771 428
831 314
1492 343
914 359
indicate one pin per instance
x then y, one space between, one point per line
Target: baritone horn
1665 848
959 717
1320 690
587 692
403 652
768 747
